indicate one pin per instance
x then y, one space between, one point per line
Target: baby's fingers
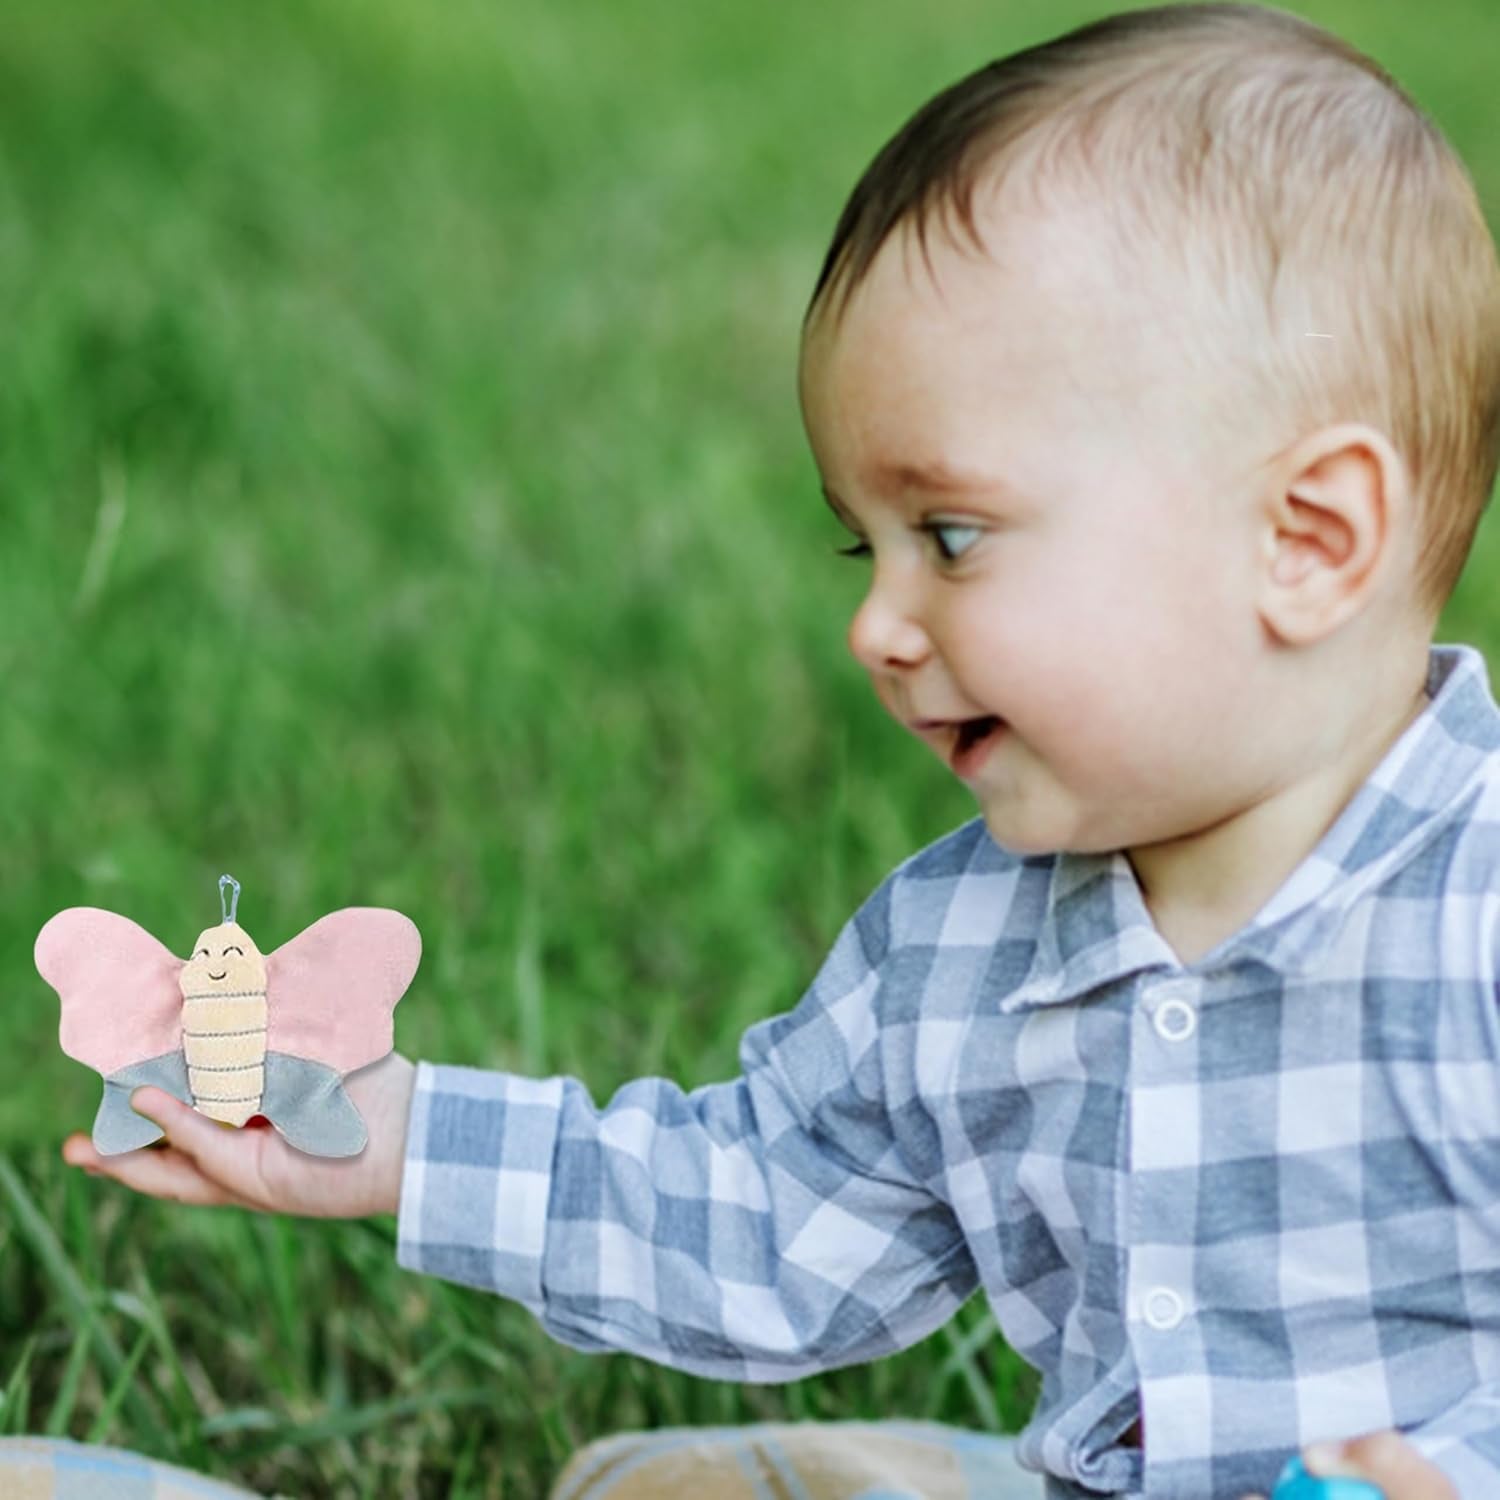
1384 1458
230 1159
157 1172
201 1163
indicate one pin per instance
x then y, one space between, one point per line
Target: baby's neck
1204 887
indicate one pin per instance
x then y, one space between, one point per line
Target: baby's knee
653 1465
831 1460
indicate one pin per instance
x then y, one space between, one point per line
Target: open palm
203 1162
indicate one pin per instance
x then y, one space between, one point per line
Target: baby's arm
758 1229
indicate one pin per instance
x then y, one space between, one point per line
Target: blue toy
1295 1483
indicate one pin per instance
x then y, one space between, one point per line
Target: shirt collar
1096 927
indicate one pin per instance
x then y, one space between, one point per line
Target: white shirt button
1175 1020
1164 1307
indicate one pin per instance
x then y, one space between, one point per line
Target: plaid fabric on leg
800 1461
45 1468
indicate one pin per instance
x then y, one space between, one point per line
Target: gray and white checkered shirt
1255 1199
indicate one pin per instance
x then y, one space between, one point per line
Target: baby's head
1211 316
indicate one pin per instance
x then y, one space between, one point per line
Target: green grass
403 502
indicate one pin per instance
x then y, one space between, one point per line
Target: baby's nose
882 635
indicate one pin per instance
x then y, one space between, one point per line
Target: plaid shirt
1254 1199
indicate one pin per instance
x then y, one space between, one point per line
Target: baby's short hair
1291 187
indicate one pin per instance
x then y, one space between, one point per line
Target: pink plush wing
118 986
330 991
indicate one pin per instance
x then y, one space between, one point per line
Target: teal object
1295 1483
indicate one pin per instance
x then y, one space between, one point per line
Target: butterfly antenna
234 904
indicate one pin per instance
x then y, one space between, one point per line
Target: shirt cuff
476 1178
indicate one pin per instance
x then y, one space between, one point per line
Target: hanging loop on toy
234 904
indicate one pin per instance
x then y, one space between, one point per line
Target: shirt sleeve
760 1229
1464 1442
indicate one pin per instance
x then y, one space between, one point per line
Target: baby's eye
204 952
232 949
936 528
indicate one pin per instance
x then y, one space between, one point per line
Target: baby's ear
1335 516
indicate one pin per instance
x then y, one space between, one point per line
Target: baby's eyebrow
935 478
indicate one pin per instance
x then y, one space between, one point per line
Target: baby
1156 371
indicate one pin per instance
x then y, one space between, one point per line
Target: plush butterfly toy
230 1031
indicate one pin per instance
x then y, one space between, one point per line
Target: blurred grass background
403 502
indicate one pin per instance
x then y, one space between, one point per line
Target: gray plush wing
307 1103
117 1127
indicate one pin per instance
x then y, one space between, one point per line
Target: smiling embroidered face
224 960
1094 585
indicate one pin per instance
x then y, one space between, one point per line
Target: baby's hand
1385 1459
203 1162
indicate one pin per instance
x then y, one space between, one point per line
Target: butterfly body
230 1031
223 988
224 1045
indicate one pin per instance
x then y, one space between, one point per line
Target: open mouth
971 731
973 741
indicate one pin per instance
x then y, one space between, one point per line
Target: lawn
403 502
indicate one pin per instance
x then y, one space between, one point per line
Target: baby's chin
1013 820
1011 833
